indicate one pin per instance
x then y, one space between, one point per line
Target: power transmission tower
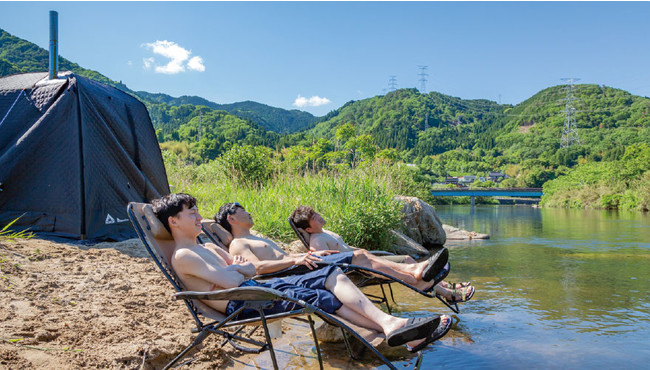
423 79
426 121
392 83
569 131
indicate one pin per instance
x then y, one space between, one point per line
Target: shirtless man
320 239
208 268
268 257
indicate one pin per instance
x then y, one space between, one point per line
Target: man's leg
409 273
358 309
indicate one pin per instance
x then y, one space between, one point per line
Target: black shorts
309 287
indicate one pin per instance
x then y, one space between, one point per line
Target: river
556 288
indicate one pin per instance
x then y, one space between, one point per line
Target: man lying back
269 258
208 268
312 222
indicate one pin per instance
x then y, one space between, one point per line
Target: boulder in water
421 223
454 233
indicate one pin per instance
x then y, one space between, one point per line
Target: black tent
73 153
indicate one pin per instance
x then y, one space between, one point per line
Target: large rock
403 245
421 223
454 233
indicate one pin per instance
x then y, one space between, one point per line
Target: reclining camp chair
361 276
369 276
160 245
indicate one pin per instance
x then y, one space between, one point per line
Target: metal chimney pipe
54 44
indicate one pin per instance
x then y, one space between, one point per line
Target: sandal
451 286
465 293
436 334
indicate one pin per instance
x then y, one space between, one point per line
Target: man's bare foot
424 285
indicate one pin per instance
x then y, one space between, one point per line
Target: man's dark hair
171 205
222 215
301 216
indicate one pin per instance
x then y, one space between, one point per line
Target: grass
358 204
6 234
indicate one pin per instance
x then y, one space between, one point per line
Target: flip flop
435 264
415 328
438 278
436 334
465 296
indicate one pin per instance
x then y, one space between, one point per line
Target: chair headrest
306 236
157 229
222 234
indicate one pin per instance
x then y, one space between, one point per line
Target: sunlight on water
555 289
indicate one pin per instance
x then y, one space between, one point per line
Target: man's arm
326 242
218 250
187 262
241 248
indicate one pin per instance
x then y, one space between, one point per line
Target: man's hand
324 253
245 268
238 260
308 260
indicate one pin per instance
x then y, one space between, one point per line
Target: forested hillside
273 119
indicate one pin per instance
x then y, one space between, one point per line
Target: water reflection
555 287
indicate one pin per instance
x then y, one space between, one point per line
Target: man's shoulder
186 255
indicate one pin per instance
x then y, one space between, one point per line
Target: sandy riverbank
71 306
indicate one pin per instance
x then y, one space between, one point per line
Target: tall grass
357 204
7 234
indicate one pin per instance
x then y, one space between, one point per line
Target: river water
556 288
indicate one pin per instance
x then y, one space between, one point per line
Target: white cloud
314 101
177 56
196 64
148 62
129 63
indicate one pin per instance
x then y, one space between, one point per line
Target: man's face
240 216
316 221
188 220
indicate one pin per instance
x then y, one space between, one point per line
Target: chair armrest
381 253
240 294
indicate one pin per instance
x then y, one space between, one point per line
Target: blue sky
316 56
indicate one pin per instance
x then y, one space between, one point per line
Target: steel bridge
489 192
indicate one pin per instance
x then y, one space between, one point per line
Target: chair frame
371 279
257 298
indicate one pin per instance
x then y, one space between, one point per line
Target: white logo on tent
122 220
109 219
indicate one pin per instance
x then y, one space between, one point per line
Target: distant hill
423 124
399 120
274 119
21 56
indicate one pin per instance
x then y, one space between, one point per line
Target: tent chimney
54 44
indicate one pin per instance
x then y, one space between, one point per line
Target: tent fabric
73 154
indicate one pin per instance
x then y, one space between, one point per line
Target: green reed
357 204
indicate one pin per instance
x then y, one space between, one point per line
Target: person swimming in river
312 222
